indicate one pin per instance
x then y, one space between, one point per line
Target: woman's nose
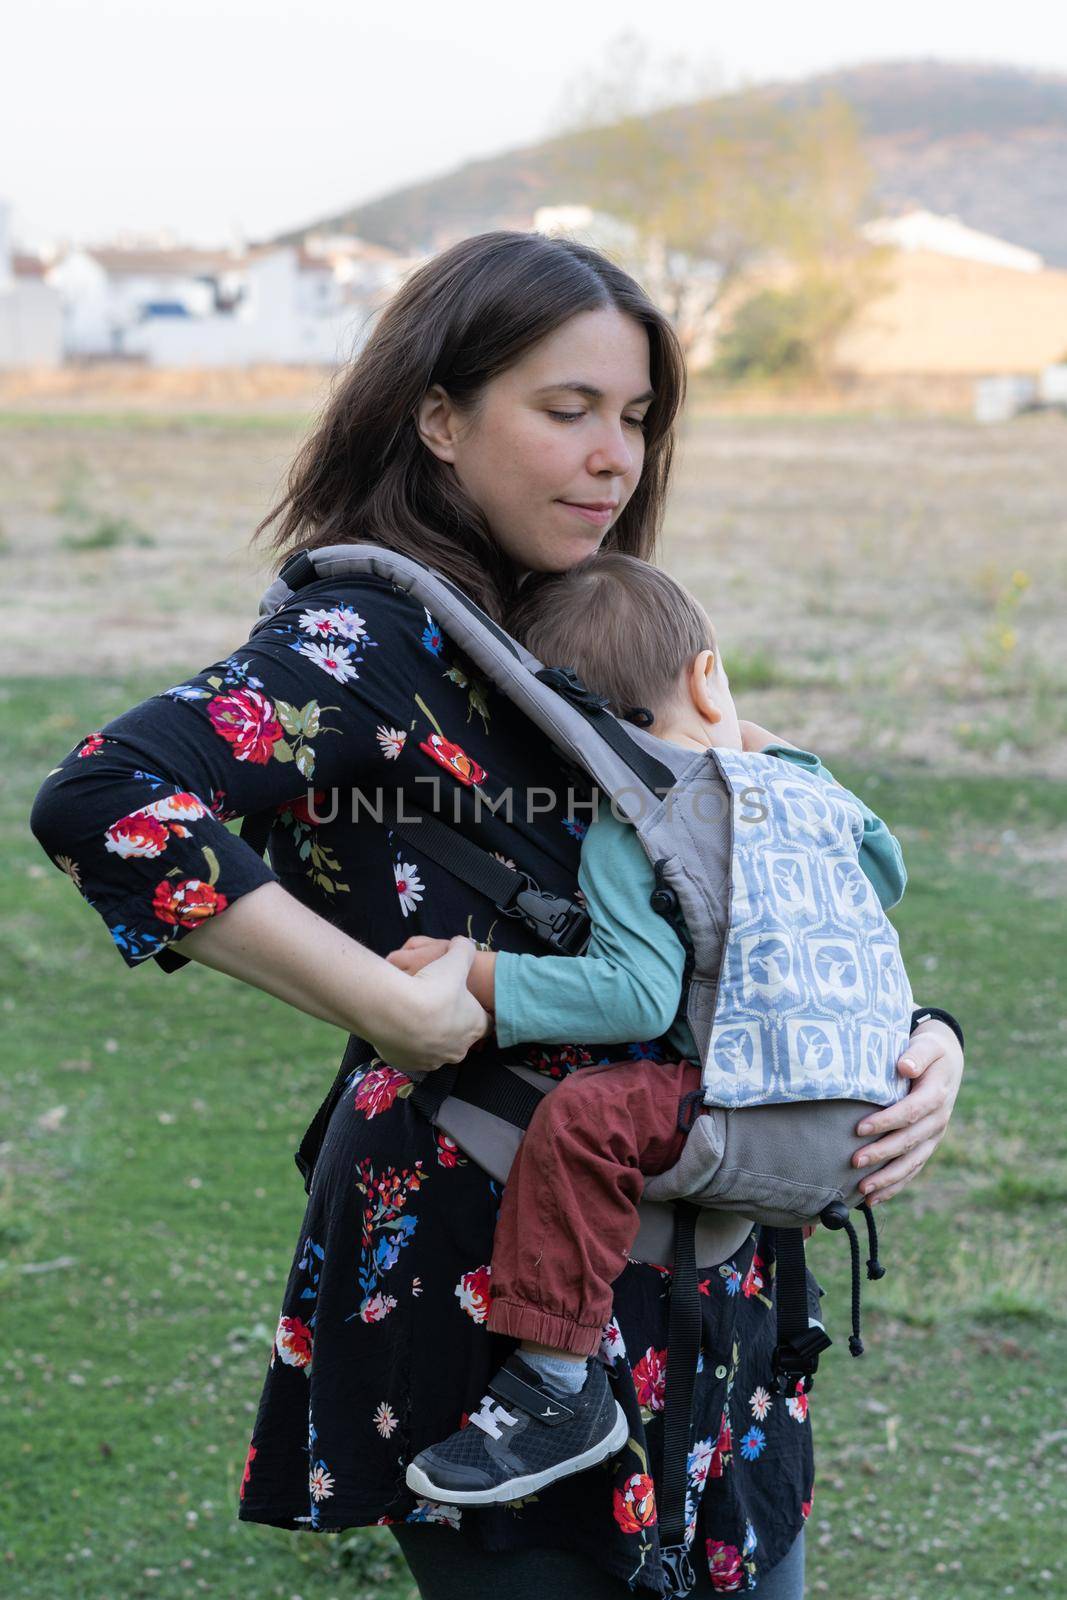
614 454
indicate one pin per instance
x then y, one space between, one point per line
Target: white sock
567 1375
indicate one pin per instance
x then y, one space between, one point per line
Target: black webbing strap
430 1093
800 1344
683 1349
559 922
503 1093
652 773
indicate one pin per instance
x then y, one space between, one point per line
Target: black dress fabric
381 1346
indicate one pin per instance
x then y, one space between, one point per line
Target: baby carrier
798 1024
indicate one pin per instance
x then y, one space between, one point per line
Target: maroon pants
568 1217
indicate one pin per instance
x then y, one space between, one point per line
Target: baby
568 1217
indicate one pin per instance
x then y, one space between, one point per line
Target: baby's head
636 636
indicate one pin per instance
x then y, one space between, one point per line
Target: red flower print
453 759
724 1567
377 1090
754 1279
246 1480
474 1294
377 1307
188 903
650 1378
300 808
721 1454
635 1503
93 741
246 719
136 835
558 1063
797 1405
448 1151
293 1340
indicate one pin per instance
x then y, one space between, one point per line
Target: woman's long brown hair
365 476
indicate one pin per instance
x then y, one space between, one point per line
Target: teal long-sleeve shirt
628 984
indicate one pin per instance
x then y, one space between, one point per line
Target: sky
239 119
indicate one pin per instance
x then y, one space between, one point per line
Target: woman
513 411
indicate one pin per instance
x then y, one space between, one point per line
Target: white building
948 236
31 315
107 292
180 307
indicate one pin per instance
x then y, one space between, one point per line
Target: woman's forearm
271 940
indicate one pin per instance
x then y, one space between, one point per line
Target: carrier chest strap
557 921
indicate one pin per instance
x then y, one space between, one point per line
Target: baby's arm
627 986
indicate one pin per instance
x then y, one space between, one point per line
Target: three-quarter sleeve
136 813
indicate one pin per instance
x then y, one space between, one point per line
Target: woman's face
554 448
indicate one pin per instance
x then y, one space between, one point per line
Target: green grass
167 1202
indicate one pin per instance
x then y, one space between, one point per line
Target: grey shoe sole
516 1488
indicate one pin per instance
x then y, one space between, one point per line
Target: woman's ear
436 420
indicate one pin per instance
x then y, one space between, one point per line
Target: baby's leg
568 1218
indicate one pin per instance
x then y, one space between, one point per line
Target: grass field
148 1199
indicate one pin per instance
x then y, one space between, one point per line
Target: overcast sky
216 117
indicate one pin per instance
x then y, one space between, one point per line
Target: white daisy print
409 885
320 1483
760 1403
340 620
317 623
384 1420
332 658
392 741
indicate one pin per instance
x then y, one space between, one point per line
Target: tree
721 192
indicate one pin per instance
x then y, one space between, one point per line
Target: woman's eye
635 422
566 416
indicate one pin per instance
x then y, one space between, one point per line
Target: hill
986 143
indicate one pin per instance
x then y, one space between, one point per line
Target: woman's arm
272 941
135 815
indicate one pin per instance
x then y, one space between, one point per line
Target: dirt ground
883 588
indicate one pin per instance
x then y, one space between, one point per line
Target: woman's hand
417 952
913 1128
438 1019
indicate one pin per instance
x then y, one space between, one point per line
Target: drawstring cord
855 1343
875 1269
836 1216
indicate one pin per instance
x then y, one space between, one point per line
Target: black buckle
567 683
678 1569
798 1359
560 923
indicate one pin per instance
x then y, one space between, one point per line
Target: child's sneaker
525 1435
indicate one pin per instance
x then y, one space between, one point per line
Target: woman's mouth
597 514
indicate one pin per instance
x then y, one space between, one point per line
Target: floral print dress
381 1346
